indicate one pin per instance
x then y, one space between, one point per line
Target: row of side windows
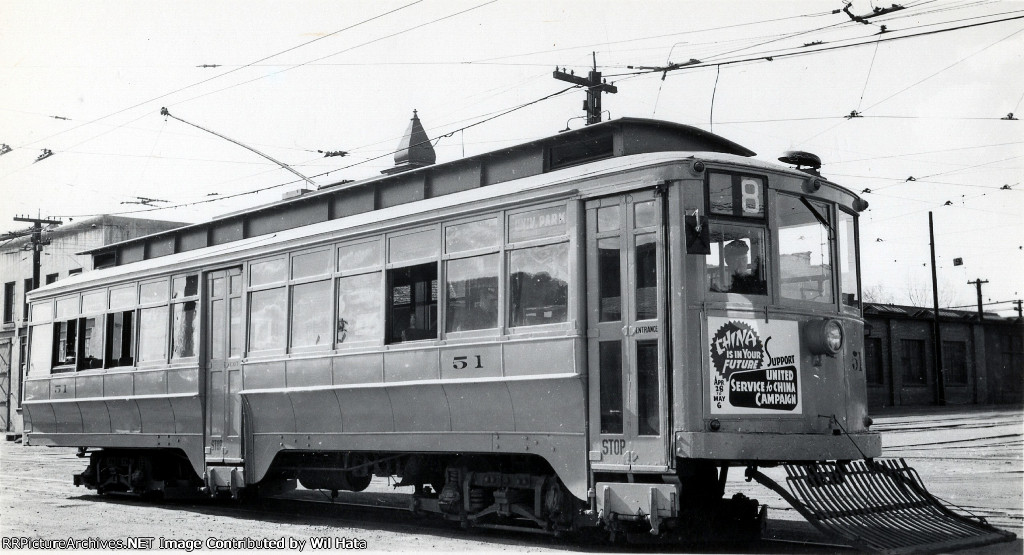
452 279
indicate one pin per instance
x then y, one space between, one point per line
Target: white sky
932 105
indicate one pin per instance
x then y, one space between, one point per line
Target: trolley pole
940 379
977 283
594 87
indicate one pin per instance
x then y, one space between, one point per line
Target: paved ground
971 458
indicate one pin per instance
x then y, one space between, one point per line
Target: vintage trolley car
587 329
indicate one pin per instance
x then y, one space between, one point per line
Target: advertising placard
755 366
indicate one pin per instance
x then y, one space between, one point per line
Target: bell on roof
414 150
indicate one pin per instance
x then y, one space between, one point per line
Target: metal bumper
770 447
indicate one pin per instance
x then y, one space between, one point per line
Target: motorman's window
805 251
412 303
848 281
359 309
472 289
737 260
538 285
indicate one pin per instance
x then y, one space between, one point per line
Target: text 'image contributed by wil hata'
186 544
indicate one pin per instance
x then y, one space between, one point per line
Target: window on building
412 303
9 302
24 299
22 366
50 278
74 271
873 366
913 362
954 362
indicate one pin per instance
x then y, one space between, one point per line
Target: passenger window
412 303
123 297
65 343
153 334
185 286
311 264
311 314
359 308
95 301
358 256
120 345
539 285
40 345
472 288
737 260
267 271
412 246
185 331
153 292
91 333
267 319
471 236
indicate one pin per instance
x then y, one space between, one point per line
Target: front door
626 280
224 323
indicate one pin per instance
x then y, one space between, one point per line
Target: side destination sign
754 366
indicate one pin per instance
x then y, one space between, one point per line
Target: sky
87 80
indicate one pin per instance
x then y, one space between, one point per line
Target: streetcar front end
775 300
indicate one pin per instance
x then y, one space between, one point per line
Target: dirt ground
970 458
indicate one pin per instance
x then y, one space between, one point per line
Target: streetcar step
879 506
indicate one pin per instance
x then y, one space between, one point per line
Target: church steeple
414 150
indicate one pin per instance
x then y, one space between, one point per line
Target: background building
58 259
982 360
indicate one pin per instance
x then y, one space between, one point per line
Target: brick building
983 361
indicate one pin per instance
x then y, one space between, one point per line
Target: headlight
824 337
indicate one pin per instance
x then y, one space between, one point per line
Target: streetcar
585 331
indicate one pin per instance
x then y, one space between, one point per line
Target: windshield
805 254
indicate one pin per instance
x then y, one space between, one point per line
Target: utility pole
978 282
1020 310
940 379
592 106
37 243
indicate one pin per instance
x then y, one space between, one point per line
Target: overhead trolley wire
218 76
262 189
378 39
